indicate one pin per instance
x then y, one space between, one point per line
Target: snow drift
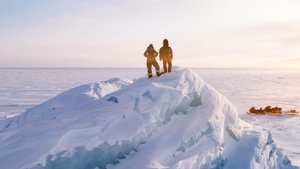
176 121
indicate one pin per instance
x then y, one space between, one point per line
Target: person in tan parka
151 54
166 55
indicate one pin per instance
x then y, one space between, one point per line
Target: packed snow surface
174 121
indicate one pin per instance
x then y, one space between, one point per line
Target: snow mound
174 121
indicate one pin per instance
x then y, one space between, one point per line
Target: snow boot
158 73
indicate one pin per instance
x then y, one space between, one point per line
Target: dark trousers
149 67
167 65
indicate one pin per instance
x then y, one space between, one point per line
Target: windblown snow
176 121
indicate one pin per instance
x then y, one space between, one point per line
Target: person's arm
146 53
155 53
171 53
160 54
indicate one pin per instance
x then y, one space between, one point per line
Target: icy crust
175 121
78 98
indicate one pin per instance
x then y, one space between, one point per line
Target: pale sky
115 33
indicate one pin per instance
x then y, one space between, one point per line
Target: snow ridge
176 121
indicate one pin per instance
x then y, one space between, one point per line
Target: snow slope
175 121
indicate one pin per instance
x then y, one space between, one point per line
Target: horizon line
93 67
108 67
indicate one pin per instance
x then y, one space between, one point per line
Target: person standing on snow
151 54
166 55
